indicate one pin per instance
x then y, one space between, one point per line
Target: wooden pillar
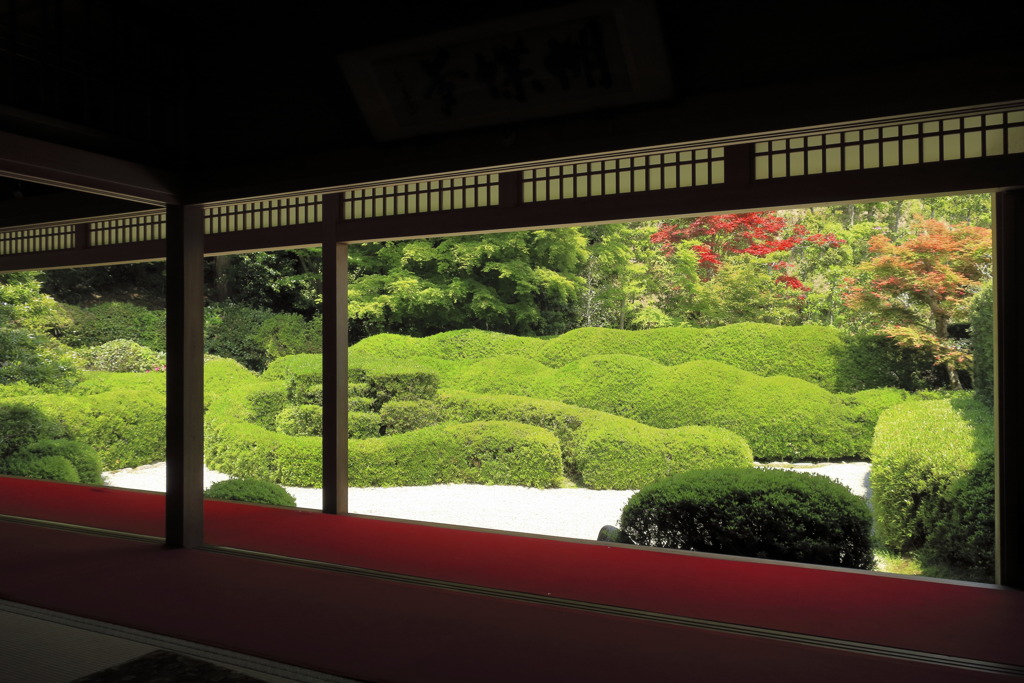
184 524
1009 220
335 361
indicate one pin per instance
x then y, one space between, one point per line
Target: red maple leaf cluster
757 233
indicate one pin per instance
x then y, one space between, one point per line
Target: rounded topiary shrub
121 355
82 457
49 467
302 420
22 424
251 491
775 514
406 416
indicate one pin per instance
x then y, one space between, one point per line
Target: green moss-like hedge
932 479
825 356
126 428
250 491
480 452
605 451
751 512
782 418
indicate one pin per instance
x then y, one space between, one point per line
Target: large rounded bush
251 491
24 423
932 474
983 343
301 420
48 467
781 418
81 456
106 322
774 514
121 355
603 451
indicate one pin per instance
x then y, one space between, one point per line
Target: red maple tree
760 233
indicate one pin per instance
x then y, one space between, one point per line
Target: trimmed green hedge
301 420
406 416
481 452
106 322
83 458
775 514
22 422
490 452
931 473
48 467
126 428
121 355
782 418
826 356
603 451
250 491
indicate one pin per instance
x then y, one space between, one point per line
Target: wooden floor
380 600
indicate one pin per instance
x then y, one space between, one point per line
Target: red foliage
757 234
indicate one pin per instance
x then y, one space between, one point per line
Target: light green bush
48 467
363 425
23 422
301 420
603 451
490 452
921 450
250 491
121 355
107 322
82 457
406 416
127 428
781 418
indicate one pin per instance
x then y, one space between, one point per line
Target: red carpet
353 621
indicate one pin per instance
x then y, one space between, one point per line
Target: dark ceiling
225 91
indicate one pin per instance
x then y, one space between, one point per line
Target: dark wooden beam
335 363
63 208
184 376
75 169
1009 222
738 193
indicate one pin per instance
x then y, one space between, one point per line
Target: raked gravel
569 513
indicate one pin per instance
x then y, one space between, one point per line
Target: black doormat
161 666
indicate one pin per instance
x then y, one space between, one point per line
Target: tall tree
915 289
519 282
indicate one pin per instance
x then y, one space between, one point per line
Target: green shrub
48 467
782 418
359 389
301 420
920 451
983 367
100 381
126 428
775 514
286 334
363 425
870 403
230 333
603 451
82 457
407 416
22 423
251 491
121 355
222 374
360 404
107 322
391 381
472 453
264 402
